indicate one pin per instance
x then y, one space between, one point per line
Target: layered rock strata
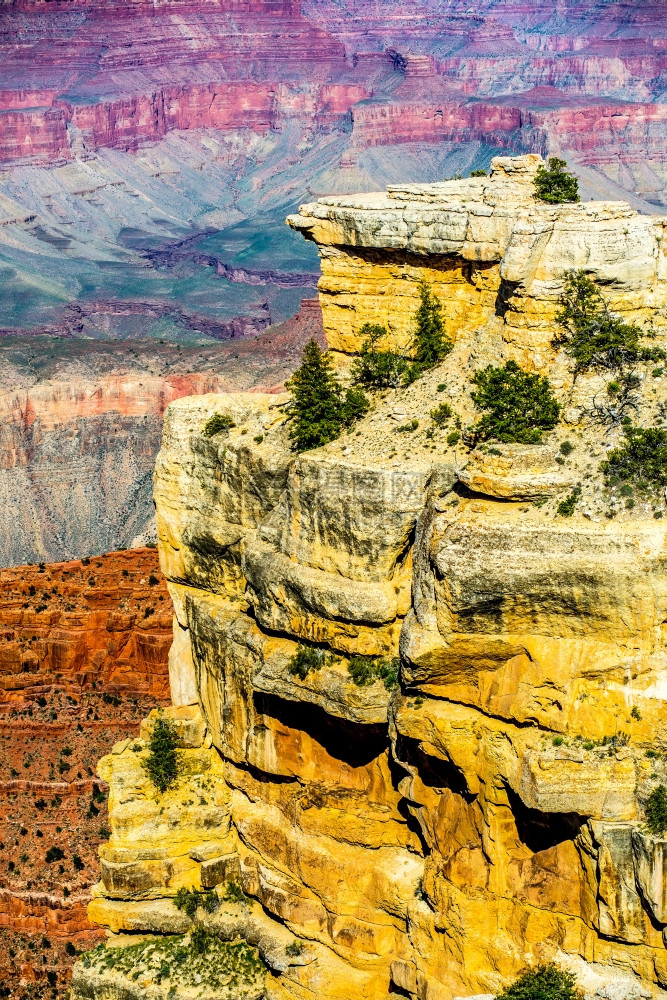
80 427
434 836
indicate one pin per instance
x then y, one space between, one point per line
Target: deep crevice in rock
540 831
433 771
356 744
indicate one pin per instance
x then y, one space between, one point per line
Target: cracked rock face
434 836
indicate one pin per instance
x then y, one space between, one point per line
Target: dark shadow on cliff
540 831
433 771
355 744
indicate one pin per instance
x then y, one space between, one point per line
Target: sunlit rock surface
487 811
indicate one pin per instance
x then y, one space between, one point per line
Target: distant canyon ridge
79 431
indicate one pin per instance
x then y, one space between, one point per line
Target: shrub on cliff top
216 424
320 409
187 900
375 368
519 405
365 670
589 333
656 810
556 185
162 763
547 982
306 659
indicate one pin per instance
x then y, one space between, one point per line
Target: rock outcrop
452 783
493 252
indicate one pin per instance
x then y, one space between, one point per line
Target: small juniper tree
374 367
641 458
656 810
589 333
315 409
519 405
320 408
162 763
556 185
431 343
217 424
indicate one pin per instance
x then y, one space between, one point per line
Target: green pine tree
320 409
556 185
162 762
431 343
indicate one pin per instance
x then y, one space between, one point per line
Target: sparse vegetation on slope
181 961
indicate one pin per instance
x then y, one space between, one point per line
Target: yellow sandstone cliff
434 838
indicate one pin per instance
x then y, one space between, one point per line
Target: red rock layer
597 132
130 74
106 622
83 655
56 403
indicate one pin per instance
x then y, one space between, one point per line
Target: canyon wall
76 462
77 453
111 77
419 715
83 655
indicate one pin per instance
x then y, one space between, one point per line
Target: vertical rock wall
432 837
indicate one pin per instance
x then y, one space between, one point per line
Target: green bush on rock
365 670
375 368
642 458
556 185
566 507
441 414
306 659
547 982
520 405
188 900
218 423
